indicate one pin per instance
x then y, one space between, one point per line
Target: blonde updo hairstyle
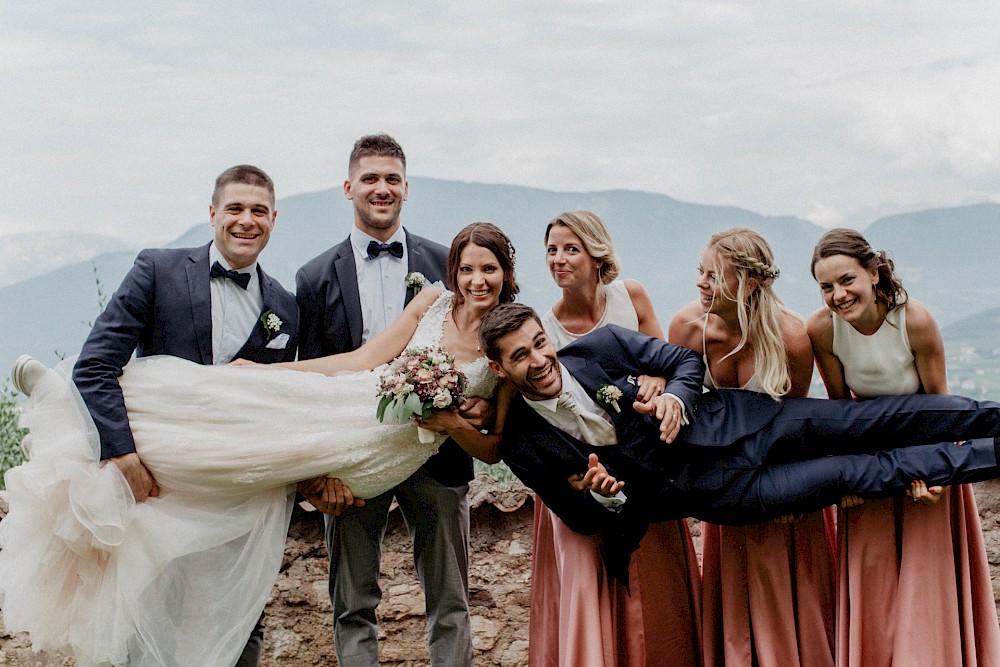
596 240
758 308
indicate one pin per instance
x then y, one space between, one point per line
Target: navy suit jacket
331 320
543 456
164 306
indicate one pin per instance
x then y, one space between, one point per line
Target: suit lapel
346 275
197 273
416 260
591 376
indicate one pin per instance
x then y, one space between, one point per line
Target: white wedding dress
181 579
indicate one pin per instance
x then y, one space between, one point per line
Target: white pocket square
279 342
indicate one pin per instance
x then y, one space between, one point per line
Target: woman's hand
847 502
243 362
921 493
650 386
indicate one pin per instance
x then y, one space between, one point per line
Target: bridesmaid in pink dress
768 589
580 617
914 583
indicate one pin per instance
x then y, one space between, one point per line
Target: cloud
117 117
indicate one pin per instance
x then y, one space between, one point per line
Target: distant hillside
973 350
24 256
659 240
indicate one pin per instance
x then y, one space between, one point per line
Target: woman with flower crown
180 579
767 589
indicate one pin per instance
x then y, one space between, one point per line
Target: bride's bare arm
484 446
382 348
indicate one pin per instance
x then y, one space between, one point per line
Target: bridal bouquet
418 382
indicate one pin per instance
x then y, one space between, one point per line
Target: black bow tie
241 279
375 249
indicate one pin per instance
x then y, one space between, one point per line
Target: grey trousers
437 517
255 646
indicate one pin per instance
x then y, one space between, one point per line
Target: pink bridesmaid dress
914 582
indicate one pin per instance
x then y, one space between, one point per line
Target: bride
180 579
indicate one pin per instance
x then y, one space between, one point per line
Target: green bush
499 471
10 434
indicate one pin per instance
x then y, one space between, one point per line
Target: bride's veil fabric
182 578
177 580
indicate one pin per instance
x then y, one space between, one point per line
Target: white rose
442 399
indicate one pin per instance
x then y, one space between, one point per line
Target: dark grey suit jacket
164 306
331 321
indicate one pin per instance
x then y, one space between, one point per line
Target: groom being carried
209 305
726 456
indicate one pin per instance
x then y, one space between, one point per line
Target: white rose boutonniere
415 281
271 323
608 394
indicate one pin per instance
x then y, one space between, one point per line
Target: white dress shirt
235 310
566 422
381 283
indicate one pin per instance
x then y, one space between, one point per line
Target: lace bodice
482 381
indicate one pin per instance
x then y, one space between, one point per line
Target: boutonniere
608 394
271 323
415 280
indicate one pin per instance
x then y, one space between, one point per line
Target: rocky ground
299 630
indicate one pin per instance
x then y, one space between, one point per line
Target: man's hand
598 480
138 477
329 495
479 412
668 410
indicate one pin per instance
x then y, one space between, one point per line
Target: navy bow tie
375 249
241 279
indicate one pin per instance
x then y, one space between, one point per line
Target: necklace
465 333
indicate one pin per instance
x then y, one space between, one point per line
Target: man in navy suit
346 296
209 305
726 456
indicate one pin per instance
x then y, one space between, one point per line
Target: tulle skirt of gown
182 578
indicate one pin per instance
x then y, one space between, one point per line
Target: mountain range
945 256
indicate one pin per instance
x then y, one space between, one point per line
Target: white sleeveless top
881 364
618 309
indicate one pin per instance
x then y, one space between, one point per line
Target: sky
115 117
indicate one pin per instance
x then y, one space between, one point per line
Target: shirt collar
551 404
215 256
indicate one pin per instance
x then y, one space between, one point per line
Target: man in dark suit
727 456
346 296
209 305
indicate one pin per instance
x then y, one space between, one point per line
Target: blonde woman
580 615
914 583
767 588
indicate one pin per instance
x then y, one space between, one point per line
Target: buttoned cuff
612 504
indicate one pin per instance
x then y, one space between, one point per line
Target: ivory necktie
594 429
